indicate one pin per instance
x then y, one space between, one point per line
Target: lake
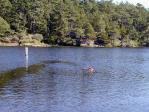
55 82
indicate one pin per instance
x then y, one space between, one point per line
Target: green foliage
89 31
52 39
56 18
4 26
5 7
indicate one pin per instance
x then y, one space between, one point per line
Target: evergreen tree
57 18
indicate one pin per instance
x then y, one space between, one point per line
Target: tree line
103 21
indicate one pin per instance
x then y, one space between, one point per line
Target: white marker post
26 58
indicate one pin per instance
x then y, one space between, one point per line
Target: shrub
4 26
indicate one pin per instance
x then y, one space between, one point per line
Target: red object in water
89 69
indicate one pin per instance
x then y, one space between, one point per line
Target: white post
26 58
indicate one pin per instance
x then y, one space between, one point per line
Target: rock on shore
34 40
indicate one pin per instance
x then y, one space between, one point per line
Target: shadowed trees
54 19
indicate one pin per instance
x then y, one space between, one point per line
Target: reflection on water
58 84
59 61
19 72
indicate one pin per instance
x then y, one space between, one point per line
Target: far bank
37 40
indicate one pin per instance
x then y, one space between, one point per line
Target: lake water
55 81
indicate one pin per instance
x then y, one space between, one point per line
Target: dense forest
63 21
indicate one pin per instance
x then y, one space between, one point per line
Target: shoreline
50 46
37 40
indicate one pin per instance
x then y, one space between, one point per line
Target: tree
88 30
5 7
4 26
93 18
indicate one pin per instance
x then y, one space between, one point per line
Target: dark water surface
55 82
